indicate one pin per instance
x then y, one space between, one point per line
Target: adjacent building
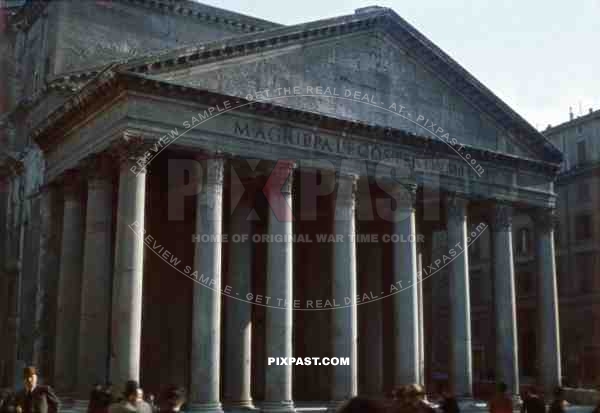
577 245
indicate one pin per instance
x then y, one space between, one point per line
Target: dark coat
450 405
41 400
533 404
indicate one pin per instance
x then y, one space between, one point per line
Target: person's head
417 391
501 387
139 395
362 405
173 398
131 391
30 377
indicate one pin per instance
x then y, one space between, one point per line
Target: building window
583 192
523 241
581 152
583 227
579 129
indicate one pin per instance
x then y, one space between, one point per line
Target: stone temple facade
138 134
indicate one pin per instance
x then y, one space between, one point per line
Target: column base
334 405
467 404
207 407
239 406
281 406
517 401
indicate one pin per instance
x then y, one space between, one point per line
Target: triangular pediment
369 75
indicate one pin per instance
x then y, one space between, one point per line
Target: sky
539 56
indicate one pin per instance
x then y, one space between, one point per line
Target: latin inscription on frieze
347 147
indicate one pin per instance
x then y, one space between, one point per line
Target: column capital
456 205
215 171
282 176
502 216
132 152
405 193
347 185
545 219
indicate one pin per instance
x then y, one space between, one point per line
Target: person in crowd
559 404
94 403
130 398
7 401
172 400
532 402
35 398
449 403
410 399
362 405
151 401
501 402
142 405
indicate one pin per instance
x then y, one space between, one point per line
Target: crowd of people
34 398
410 398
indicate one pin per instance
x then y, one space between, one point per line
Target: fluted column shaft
126 317
69 287
206 318
279 286
406 311
97 277
460 306
344 383
48 271
549 350
238 314
504 300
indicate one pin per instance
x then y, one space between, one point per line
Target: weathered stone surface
372 65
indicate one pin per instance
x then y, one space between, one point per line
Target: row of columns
83 324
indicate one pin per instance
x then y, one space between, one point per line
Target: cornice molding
109 84
29 13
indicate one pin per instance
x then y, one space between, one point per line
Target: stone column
128 272
69 287
507 364
461 375
48 270
97 276
549 351
344 321
206 318
238 314
421 319
279 287
406 311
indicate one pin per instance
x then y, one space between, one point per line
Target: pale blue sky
539 56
